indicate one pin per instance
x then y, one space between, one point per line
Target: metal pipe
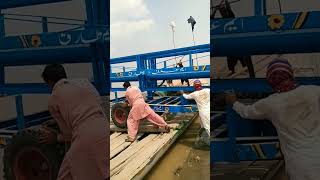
178 75
21 3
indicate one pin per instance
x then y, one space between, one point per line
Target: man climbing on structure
75 106
226 12
140 110
294 111
202 98
180 65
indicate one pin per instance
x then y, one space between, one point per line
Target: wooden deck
134 160
262 170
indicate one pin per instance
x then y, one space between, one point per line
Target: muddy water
187 159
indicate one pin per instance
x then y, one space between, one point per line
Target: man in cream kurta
295 113
202 98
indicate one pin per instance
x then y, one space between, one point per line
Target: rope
280 8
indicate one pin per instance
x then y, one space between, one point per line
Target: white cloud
129 17
129 28
122 9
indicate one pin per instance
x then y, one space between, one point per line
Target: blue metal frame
86 42
172 104
247 140
147 74
297 32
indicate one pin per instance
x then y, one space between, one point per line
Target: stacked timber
134 160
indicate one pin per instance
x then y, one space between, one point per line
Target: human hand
48 123
124 105
48 136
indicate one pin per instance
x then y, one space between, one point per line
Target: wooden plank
135 160
164 149
143 157
121 147
144 129
116 142
114 135
117 150
119 160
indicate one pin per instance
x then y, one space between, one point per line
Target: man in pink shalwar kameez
75 105
140 110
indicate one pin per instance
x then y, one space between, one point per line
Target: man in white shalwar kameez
295 112
202 98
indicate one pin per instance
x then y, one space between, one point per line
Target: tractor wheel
119 115
26 159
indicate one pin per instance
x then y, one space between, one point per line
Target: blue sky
139 26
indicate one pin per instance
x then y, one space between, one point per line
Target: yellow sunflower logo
35 41
276 21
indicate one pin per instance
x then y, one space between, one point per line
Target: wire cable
280 6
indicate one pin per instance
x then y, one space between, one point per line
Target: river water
187 159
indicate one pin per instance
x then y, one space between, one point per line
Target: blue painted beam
33 56
2 27
24 88
258 35
253 85
163 74
67 38
123 79
30 88
179 75
179 53
20 113
20 3
174 89
285 42
159 54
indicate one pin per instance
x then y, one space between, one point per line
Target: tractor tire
119 115
26 159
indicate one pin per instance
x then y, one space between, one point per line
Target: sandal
128 139
167 129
